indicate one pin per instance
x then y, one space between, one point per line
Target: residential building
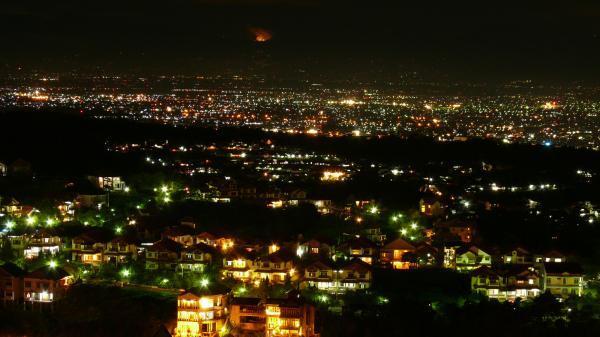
120 250
109 183
182 234
11 283
361 248
195 258
275 267
247 316
46 284
564 279
508 282
289 317
354 275
163 254
88 248
42 242
237 264
469 258
201 312
518 255
312 248
392 254
552 256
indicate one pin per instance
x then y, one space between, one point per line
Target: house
552 256
431 206
564 279
163 254
312 247
289 317
354 275
11 283
195 258
91 199
320 275
182 234
120 250
374 234
237 264
426 255
109 183
206 238
42 242
392 254
360 247
508 282
46 284
469 258
18 242
518 256
454 230
275 267
88 248
247 316
14 209
201 312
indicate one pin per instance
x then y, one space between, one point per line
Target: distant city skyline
555 40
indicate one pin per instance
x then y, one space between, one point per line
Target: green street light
9 224
52 264
204 282
125 273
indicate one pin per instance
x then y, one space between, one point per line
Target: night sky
461 39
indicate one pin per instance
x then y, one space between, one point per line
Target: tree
6 252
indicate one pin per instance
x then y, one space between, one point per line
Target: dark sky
462 39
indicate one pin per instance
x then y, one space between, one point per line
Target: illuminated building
163 254
237 264
508 282
393 254
360 247
195 258
181 234
430 206
275 268
333 176
88 248
564 279
354 275
120 250
289 317
43 242
46 285
469 258
201 312
247 315
110 183
312 247
518 256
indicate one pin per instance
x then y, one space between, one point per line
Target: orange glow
261 35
